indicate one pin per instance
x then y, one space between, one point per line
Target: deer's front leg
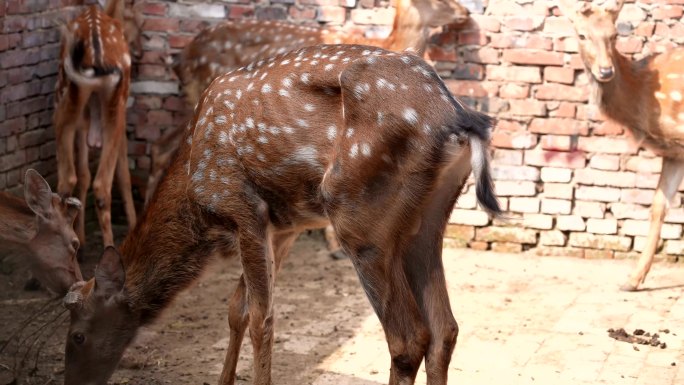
123 177
66 120
670 178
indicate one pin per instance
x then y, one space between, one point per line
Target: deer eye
582 36
78 338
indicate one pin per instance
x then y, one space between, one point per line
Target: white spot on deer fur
221 119
350 132
285 62
223 137
249 122
266 88
306 154
262 139
288 129
427 128
381 117
406 59
305 77
238 94
250 86
354 150
309 107
287 82
283 92
371 59
660 95
365 149
329 67
410 115
263 76
383 83
365 52
302 123
361 89
332 132
313 62
676 96
228 104
261 157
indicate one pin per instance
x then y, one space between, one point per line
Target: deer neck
409 30
626 98
167 250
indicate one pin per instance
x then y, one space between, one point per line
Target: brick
556 206
514 91
332 14
204 11
154 87
554 91
675 215
13 160
466 88
32 138
554 174
506 234
376 16
589 176
468 71
467 201
644 197
523 23
557 142
629 211
640 228
515 140
469 217
271 13
602 226
602 242
632 13
478 245
629 45
564 110
664 12
533 57
161 25
524 205
547 251
559 75
506 247
673 247
589 209
520 74
555 159
538 221
559 126
558 190
552 238
507 157
559 26
570 223
526 107
608 145
303 13
605 162
482 55
515 188
645 29
503 172
486 22
462 234
639 164
566 44
472 38
599 254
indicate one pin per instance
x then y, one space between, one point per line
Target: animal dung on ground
639 336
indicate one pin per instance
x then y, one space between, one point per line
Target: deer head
102 324
596 31
437 13
131 20
55 243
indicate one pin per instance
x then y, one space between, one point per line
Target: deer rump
95 81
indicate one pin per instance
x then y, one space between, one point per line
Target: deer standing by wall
230 45
645 97
367 139
90 109
43 229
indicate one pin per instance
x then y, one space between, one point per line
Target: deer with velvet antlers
644 96
369 140
42 228
224 47
90 108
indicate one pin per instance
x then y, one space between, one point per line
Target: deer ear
110 275
37 193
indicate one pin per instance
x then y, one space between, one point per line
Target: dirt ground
523 320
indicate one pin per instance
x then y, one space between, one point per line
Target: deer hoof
629 287
338 254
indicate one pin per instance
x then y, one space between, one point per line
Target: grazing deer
367 139
90 108
227 46
644 96
42 227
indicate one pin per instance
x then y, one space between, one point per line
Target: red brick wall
572 184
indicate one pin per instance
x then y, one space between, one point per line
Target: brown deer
367 139
42 228
224 47
644 96
90 109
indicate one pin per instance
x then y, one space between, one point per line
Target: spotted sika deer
90 109
367 139
234 44
645 97
42 228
